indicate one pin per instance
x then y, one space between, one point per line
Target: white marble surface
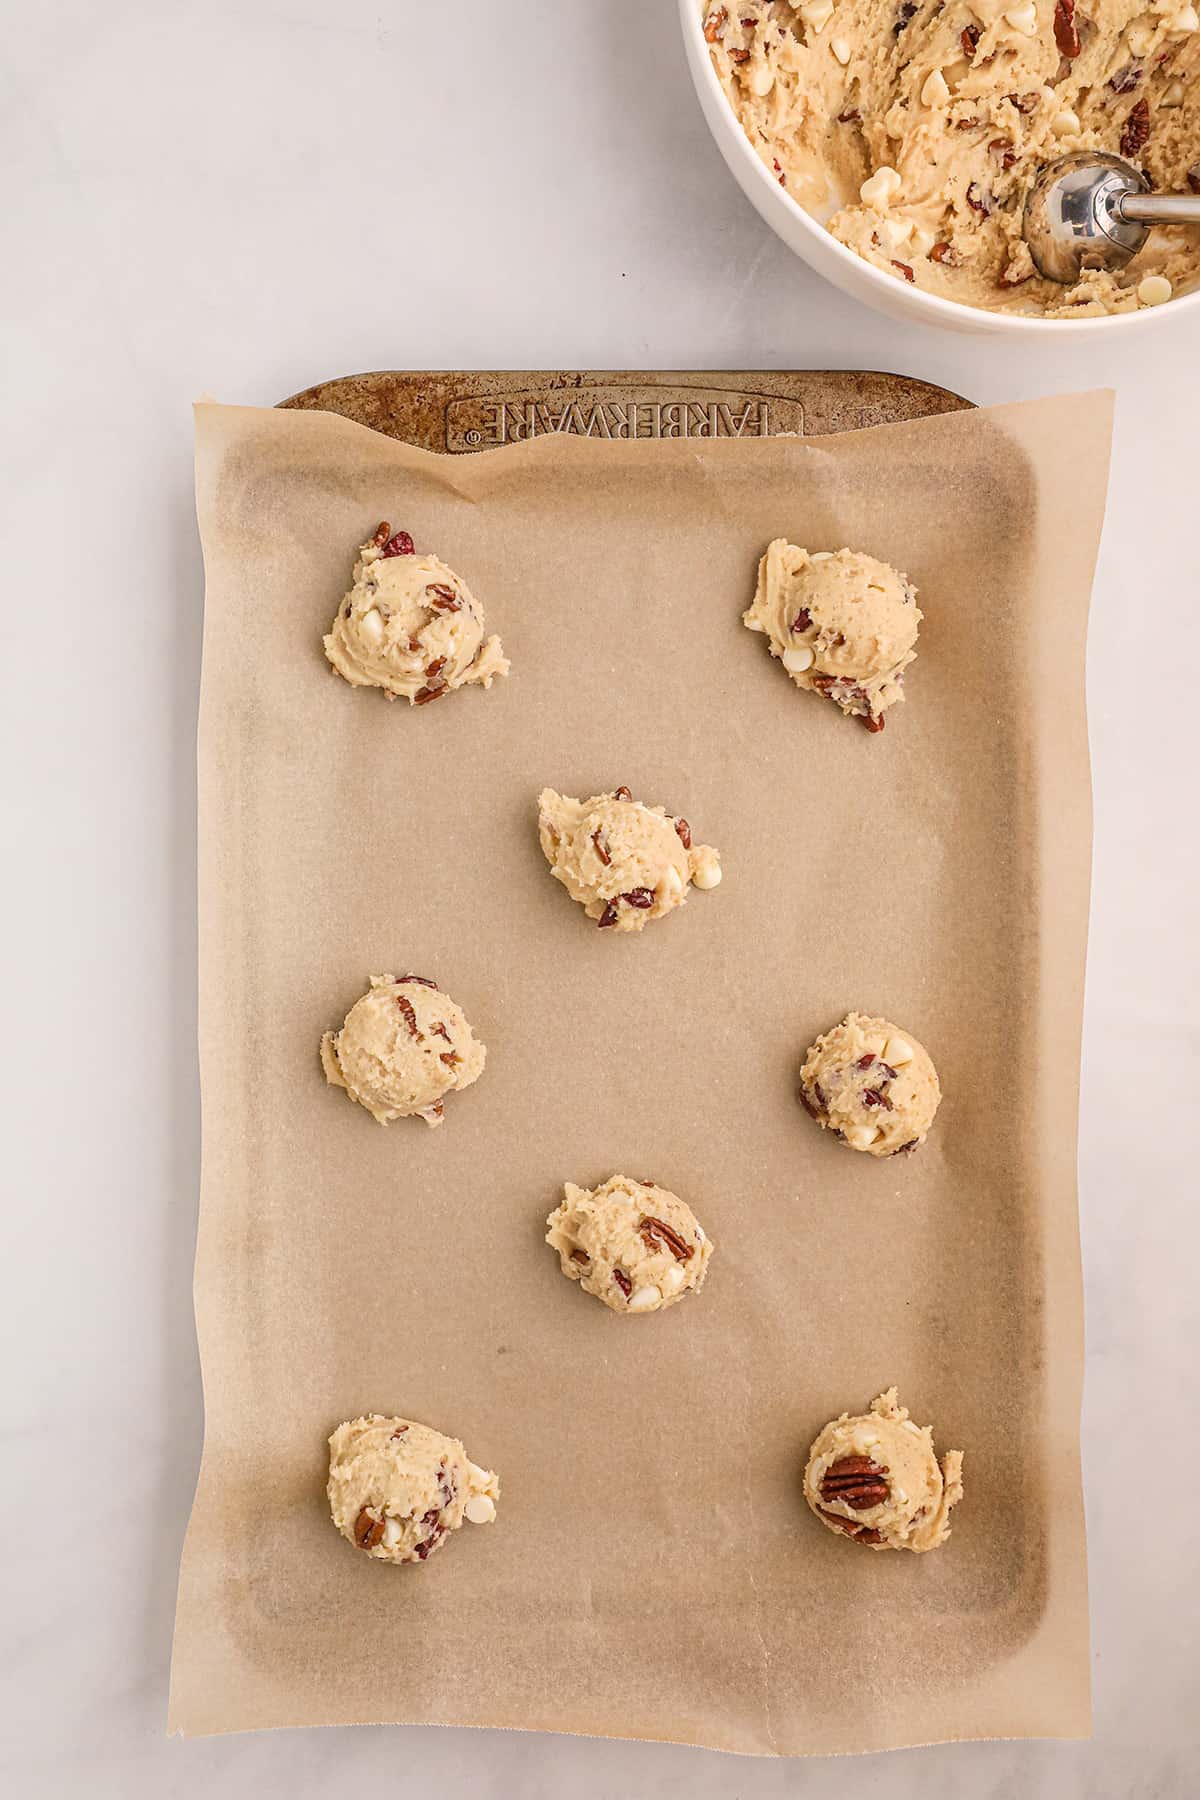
240 198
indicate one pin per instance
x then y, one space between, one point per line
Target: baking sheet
653 1571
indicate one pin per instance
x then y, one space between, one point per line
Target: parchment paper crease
653 1572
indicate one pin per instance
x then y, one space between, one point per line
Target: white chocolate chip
899 1494
1023 19
859 1137
762 80
935 91
1186 21
371 626
392 1533
895 232
923 240
841 49
480 1509
478 1477
821 556
910 1426
644 1299
878 189
797 660
817 14
1173 94
672 1281
1153 290
897 1051
1066 123
1140 38
707 874
672 880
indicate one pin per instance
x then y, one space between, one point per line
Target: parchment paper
653 1572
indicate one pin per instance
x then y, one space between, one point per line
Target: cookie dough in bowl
843 625
404 1046
874 1477
634 1245
624 863
872 1084
410 626
397 1489
912 130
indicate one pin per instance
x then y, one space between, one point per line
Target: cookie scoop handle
1160 209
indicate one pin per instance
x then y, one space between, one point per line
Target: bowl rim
932 307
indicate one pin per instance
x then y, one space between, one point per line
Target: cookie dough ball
410 626
397 1489
872 1085
842 624
625 863
633 1244
874 1477
405 1046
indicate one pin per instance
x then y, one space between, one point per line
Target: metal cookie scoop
1092 211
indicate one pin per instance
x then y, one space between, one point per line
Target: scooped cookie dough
398 1489
633 1244
842 624
405 1046
410 626
913 129
874 1477
872 1085
625 863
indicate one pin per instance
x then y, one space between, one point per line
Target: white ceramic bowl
801 233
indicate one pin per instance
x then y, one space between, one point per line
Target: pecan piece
601 849
657 1233
623 1282
400 1431
876 1097
864 1062
641 897
1024 103
439 1030
1137 128
856 1481
433 691
904 18
383 532
421 980
399 544
978 199
582 1257
408 1012
1002 148
802 620
739 56
684 833
874 721
809 1104
849 117
904 1149
1193 178
862 1534
367 1531
622 793
608 916
944 253
906 270
1066 32
451 1058
435 667
444 598
969 38
714 25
